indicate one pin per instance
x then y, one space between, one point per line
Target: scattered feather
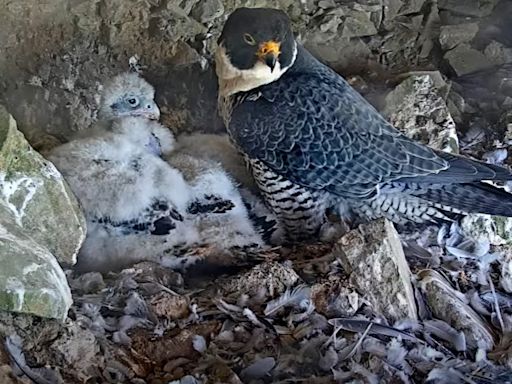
328 360
477 303
357 325
498 156
447 333
446 376
350 351
396 354
289 298
186 380
252 317
37 375
199 343
258 369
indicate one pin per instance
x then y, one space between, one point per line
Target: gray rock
391 10
326 4
464 59
358 24
452 35
456 106
411 6
497 230
417 107
31 280
177 22
378 269
450 305
339 52
36 196
477 8
208 10
404 44
39 220
331 21
497 53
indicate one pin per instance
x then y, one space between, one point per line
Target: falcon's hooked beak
269 52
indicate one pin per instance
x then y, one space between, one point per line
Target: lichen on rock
31 280
418 108
376 261
40 222
37 196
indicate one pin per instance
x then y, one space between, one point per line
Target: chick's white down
122 182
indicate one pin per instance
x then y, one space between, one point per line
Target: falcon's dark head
256 47
128 94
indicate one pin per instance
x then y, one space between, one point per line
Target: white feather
289 298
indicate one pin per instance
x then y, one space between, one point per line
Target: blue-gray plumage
313 142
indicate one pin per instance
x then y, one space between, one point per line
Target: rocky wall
54 54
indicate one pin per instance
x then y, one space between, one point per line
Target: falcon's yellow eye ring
249 39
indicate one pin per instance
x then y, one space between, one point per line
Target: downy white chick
133 200
215 207
216 148
138 206
209 163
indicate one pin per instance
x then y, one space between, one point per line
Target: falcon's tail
469 198
435 202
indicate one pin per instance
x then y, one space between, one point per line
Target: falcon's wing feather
317 131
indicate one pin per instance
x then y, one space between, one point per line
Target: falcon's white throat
233 80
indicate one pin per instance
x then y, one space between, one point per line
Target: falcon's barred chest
301 210
314 143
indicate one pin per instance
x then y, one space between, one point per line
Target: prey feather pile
282 320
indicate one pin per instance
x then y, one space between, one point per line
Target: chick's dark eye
249 39
132 101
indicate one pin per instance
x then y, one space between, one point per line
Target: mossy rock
36 195
41 224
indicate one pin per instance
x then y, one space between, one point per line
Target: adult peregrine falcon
313 142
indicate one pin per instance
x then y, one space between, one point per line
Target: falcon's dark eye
132 101
249 39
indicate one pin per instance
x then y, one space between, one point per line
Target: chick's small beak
151 111
269 52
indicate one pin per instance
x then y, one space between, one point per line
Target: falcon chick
217 148
131 197
314 143
138 206
128 94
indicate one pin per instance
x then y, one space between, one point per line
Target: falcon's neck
233 80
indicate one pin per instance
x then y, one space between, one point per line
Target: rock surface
418 108
448 305
31 280
453 35
464 59
376 262
477 8
497 230
57 53
36 196
39 221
